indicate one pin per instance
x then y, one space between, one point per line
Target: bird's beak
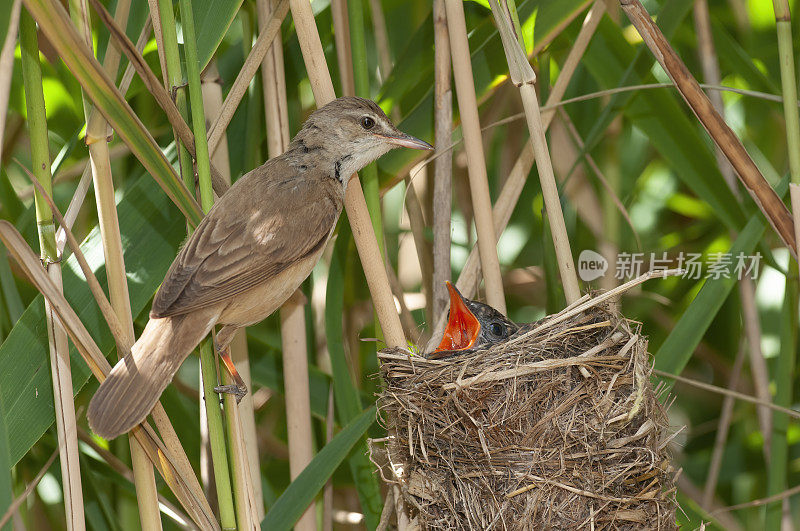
404 140
463 327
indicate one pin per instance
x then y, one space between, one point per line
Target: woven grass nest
557 428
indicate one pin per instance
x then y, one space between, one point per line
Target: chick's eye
496 329
367 122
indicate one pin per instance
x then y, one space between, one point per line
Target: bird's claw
238 391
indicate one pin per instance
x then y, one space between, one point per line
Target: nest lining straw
557 428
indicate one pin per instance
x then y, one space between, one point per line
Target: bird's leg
174 91
222 344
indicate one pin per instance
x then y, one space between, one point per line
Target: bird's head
471 325
352 132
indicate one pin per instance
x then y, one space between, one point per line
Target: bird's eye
367 122
496 329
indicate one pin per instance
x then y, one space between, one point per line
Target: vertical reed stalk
163 18
777 473
609 244
212 101
293 323
298 405
100 163
783 23
172 61
341 35
228 515
416 220
357 213
784 376
59 349
746 286
476 162
216 436
358 49
443 165
523 76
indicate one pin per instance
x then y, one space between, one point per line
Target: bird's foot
239 391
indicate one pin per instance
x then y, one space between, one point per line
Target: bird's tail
136 382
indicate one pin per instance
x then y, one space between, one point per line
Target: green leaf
212 18
301 492
677 349
151 231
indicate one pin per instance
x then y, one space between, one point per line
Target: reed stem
212 98
358 49
292 314
59 349
777 472
341 34
216 435
197 110
227 511
443 165
381 39
355 204
172 60
523 77
787 358
298 407
783 23
476 162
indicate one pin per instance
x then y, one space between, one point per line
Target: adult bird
471 326
255 247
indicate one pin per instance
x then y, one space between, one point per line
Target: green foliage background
646 142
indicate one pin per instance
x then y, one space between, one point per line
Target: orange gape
463 327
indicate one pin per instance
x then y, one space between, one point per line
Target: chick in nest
472 326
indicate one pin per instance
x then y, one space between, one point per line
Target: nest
557 428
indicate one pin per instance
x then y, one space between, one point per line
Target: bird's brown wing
245 240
